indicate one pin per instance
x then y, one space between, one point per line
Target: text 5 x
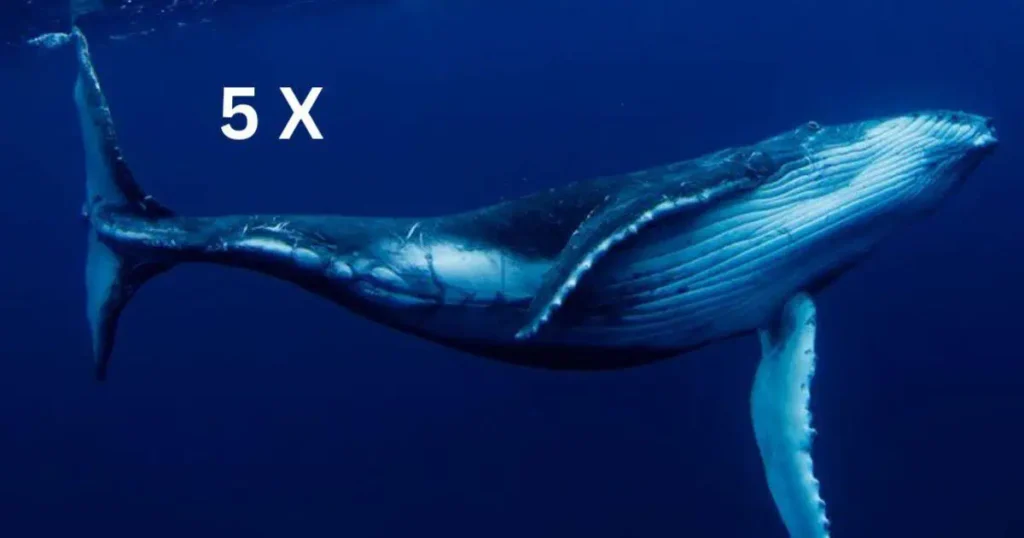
301 113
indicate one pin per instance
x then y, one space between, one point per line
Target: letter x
301 113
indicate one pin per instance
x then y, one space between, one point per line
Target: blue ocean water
242 406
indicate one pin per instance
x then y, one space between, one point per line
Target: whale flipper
111 276
779 405
626 213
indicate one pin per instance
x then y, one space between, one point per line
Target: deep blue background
241 406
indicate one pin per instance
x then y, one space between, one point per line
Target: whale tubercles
779 404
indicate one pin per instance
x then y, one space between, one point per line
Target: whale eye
814 126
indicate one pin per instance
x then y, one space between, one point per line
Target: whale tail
112 273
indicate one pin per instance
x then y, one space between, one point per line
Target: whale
599 274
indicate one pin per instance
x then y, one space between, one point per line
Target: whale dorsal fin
627 212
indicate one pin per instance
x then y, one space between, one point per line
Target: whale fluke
779 405
111 275
50 40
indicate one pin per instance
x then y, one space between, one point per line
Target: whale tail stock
112 273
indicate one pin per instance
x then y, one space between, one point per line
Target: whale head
924 155
892 167
833 194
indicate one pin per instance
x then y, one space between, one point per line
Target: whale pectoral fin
628 212
599 234
779 405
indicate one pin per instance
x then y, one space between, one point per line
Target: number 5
230 110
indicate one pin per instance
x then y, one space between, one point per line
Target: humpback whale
606 273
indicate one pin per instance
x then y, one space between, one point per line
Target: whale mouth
983 143
988 138
986 141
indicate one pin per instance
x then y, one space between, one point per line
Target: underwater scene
403 268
